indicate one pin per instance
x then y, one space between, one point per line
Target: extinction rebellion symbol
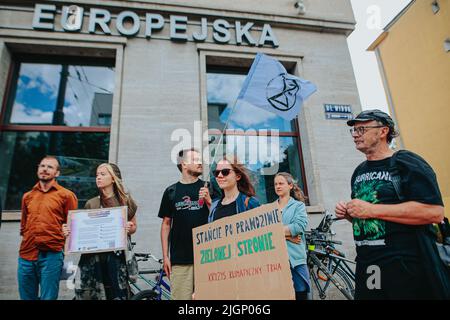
281 92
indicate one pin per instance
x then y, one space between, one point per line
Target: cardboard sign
243 257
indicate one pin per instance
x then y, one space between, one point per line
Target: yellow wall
417 71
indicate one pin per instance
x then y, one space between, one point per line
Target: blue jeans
300 277
44 272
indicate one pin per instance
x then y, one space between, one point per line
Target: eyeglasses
363 129
225 172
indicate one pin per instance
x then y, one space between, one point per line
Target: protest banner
243 257
97 230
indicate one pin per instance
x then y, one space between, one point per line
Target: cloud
74 117
44 77
23 114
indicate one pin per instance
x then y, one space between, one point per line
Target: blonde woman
104 275
295 220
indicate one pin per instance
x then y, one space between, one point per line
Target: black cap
375 114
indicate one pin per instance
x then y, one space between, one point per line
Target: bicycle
327 265
160 288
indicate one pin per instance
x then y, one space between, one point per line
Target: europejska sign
128 23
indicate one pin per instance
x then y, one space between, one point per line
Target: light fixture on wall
435 7
300 6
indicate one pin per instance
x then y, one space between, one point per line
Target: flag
268 86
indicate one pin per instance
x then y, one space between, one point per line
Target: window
56 106
104 119
283 151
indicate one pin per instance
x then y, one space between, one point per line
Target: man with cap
386 215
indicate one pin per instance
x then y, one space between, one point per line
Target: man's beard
45 179
194 173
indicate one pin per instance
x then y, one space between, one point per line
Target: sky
371 17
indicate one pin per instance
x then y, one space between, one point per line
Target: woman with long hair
238 193
295 220
105 275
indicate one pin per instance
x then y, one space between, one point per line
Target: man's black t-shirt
186 214
378 240
226 210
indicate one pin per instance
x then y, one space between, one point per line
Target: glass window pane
87 90
79 154
36 94
223 90
263 157
89 94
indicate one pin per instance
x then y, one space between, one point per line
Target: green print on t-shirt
370 229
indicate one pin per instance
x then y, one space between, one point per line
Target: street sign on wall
338 111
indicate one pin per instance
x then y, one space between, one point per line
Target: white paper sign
98 230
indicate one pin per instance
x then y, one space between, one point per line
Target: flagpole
207 178
224 129
245 85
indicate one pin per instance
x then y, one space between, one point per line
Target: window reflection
79 154
223 90
263 157
36 94
87 92
89 95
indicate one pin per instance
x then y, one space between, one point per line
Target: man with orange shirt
44 210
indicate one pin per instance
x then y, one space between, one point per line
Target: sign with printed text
97 230
243 257
338 111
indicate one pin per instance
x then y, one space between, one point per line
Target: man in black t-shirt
184 206
390 264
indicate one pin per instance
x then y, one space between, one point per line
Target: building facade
132 82
414 60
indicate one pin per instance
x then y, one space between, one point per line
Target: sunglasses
225 172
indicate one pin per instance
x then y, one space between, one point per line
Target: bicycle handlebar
327 241
146 256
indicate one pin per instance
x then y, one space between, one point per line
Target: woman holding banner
295 220
238 192
105 275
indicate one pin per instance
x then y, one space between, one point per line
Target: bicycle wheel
145 295
344 289
348 285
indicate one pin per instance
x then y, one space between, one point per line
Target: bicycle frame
160 286
330 272
328 260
